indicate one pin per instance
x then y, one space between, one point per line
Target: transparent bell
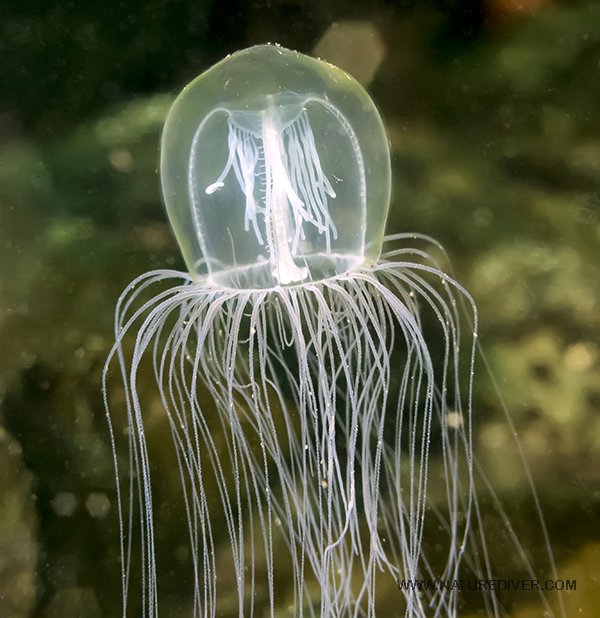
275 170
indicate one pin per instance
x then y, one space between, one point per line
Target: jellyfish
315 377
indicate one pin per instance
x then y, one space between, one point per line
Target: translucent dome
275 170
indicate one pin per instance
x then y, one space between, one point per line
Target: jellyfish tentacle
294 405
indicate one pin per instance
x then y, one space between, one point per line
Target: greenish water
495 133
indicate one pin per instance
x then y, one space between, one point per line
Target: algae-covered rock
18 532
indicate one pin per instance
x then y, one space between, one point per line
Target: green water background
494 123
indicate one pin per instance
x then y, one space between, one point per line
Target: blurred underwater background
492 111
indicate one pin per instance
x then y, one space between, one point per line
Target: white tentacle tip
212 188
